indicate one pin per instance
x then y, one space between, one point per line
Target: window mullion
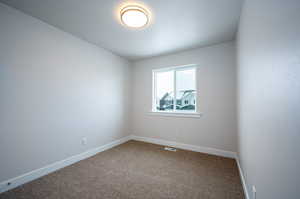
174 103
196 90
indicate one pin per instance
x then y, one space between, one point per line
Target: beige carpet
139 170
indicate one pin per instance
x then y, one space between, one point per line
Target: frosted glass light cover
134 16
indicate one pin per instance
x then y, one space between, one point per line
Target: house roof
182 93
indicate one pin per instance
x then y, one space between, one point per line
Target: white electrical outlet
254 192
84 141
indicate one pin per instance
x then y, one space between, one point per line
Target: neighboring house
166 102
185 101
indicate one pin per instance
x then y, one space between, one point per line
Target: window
174 90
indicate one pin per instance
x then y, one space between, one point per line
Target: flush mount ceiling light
134 16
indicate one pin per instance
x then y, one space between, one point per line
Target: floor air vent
170 149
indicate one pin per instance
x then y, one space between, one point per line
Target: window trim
174 112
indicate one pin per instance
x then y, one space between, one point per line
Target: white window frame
174 112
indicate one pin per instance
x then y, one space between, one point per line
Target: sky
185 80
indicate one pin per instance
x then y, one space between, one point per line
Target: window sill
176 114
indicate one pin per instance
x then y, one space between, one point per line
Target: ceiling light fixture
134 16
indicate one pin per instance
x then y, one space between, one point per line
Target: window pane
186 90
164 91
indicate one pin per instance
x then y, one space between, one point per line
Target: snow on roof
180 94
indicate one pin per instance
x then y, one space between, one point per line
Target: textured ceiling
175 24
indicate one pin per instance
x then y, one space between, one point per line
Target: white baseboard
242 179
32 175
213 151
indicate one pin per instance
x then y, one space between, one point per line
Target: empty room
149 99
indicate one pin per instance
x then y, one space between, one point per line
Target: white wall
269 90
55 89
217 99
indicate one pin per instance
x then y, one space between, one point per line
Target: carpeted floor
139 170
